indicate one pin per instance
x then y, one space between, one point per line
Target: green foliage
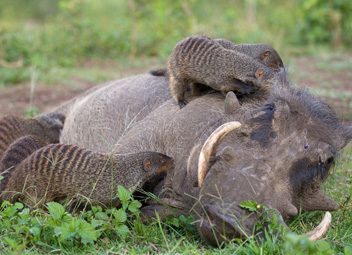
58 228
64 33
325 22
250 205
31 111
298 245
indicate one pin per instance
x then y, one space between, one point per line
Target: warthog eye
306 146
330 161
270 107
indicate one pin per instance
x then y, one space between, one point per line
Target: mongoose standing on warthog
199 59
261 52
46 127
59 171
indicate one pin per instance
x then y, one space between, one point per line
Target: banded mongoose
261 52
199 59
19 150
59 171
46 127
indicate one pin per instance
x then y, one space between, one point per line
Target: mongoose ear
147 164
231 103
264 56
259 73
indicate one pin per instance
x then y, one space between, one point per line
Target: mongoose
261 52
59 171
199 59
19 150
46 127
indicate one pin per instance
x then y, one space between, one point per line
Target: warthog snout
224 222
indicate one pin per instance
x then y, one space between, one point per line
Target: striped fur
47 128
199 59
59 171
261 52
20 150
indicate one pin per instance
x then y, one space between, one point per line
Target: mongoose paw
182 103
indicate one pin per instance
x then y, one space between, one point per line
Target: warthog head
278 157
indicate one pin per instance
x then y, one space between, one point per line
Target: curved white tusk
209 148
321 229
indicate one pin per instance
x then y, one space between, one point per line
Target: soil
17 100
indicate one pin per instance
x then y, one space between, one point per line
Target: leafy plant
250 205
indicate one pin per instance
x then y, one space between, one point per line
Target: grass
120 231
88 71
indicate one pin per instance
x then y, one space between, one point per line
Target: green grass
111 231
89 71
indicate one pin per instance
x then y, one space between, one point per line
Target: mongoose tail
46 127
20 150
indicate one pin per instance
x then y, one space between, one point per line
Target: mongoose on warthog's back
19 150
59 171
46 127
199 59
261 52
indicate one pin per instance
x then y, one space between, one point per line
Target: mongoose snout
164 163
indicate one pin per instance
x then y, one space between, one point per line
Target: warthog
275 148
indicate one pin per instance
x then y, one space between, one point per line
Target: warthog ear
231 103
348 134
345 137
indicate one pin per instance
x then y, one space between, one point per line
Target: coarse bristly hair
299 100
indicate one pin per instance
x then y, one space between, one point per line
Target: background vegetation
70 42
64 33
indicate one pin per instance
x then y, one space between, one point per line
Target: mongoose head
155 163
271 58
52 125
154 168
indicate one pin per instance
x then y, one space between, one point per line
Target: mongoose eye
270 107
147 164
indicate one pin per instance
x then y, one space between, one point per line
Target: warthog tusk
210 146
321 229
